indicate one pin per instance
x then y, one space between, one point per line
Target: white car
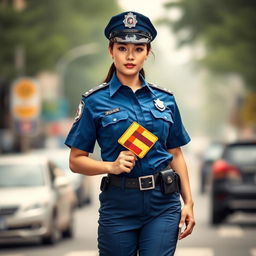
36 199
80 183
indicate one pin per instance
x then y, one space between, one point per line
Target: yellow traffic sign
25 89
25 99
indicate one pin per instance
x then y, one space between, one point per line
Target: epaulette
93 90
160 88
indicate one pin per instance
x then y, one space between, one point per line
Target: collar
115 84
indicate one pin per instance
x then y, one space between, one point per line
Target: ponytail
111 71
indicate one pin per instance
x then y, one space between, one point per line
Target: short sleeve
178 135
83 132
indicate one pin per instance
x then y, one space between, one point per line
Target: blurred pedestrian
140 207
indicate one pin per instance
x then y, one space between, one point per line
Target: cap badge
159 104
130 20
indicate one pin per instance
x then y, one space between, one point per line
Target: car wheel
218 214
80 197
88 200
69 231
54 235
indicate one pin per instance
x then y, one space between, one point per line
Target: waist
142 183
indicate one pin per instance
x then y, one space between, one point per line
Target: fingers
182 220
190 223
128 153
125 162
128 156
187 219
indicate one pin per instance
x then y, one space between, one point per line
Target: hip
123 202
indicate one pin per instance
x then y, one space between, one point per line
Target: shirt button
114 119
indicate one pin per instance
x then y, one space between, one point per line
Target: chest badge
159 104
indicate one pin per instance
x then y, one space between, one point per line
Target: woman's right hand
124 163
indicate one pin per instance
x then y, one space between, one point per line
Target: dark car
233 186
212 153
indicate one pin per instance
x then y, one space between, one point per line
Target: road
237 237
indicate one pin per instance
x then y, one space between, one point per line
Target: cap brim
131 37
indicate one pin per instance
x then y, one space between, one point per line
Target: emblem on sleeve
130 20
79 111
159 104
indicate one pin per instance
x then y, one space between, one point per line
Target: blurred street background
51 52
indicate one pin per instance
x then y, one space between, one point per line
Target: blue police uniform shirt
107 112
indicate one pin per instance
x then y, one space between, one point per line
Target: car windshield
21 175
242 154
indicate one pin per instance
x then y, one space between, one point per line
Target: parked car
233 186
212 153
36 200
79 182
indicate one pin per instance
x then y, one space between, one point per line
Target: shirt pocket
114 125
114 118
162 122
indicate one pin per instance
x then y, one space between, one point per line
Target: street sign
25 99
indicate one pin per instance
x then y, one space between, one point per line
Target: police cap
130 27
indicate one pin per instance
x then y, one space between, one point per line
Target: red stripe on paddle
143 139
135 149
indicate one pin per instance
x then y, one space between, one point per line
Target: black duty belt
141 183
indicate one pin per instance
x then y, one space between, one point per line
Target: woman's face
129 58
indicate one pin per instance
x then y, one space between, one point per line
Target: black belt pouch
104 183
169 182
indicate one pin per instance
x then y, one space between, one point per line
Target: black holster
169 181
104 183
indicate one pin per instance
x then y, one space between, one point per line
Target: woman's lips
129 65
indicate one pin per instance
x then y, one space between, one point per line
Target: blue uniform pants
134 221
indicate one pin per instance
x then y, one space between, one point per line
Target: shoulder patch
160 88
79 111
93 90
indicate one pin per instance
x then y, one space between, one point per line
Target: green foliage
227 27
47 29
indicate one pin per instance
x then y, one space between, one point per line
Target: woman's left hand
187 218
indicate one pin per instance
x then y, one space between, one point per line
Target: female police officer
135 214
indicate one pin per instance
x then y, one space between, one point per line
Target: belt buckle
152 181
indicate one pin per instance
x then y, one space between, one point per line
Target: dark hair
112 68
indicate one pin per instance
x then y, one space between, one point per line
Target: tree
45 30
227 28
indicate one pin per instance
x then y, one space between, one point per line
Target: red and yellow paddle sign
138 139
